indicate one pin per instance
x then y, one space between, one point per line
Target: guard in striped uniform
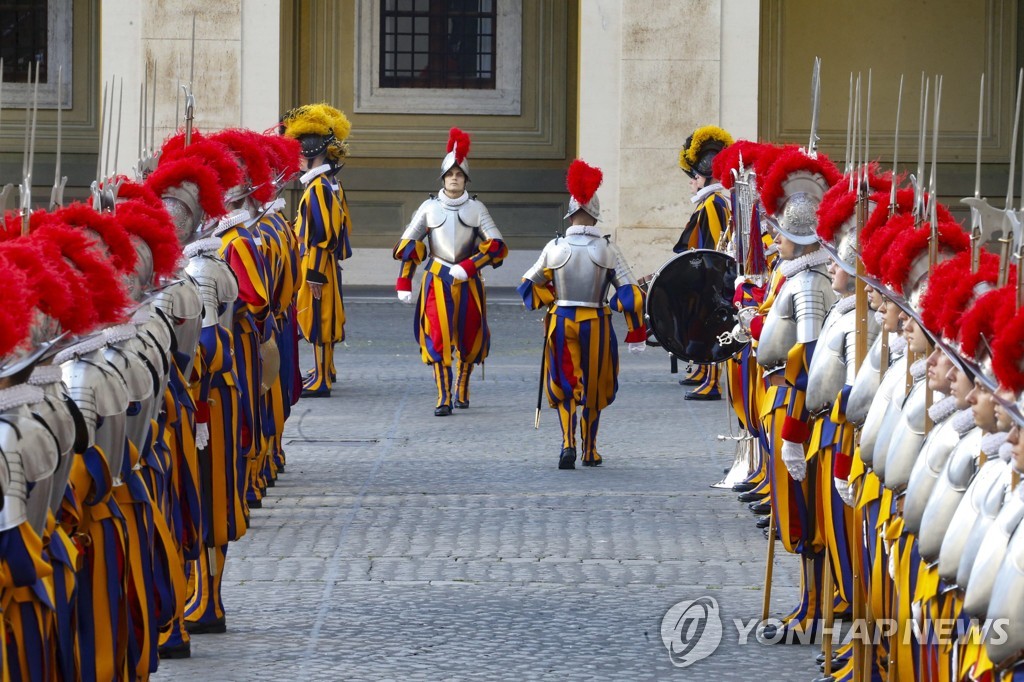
572 278
323 226
451 316
706 228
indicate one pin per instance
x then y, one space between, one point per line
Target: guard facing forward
571 278
451 317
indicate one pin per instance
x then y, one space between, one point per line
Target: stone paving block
400 546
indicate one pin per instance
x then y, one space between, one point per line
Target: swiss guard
323 225
451 315
572 279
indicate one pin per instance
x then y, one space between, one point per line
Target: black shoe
443 411
760 507
594 461
318 393
213 627
693 395
183 650
689 382
751 496
255 504
763 522
744 487
567 458
462 405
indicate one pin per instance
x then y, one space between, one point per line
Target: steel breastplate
866 385
53 412
964 518
891 381
184 297
906 440
893 415
30 454
827 374
582 280
946 495
991 505
1008 600
448 238
778 335
218 288
931 463
100 392
991 553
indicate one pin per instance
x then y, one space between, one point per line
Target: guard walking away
571 278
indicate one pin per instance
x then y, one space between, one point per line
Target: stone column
236 78
651 72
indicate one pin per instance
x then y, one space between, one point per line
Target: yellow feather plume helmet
700 148
320 127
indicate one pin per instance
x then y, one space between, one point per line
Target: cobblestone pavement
402 546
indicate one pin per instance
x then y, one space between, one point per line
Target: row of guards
148 362
873 353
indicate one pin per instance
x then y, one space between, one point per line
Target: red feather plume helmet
168 181
15 320
838 207
729 159
953 288
110 234
247 147
792 190
218 157
458 150
88 271
285 157
582 181
908 258
58 299
154 226
979 324
1008 352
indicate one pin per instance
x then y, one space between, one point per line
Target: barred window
438 44
23 39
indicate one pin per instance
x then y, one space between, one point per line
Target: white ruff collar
942 410
845 305
202 246
897 346
45 375
589 230
991 442
275 206
788 268
306 177
918 369
705 192
452 203
89 345
20 394
963 421
879 317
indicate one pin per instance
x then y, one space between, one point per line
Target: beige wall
237 62
651 72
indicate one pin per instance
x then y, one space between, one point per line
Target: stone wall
237 63
651 72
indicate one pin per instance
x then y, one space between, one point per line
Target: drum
689 305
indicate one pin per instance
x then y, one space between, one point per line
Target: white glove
794 459
845 491
639 347
458 273
202 435
892 565
405 296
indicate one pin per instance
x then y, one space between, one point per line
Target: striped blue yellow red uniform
323 226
